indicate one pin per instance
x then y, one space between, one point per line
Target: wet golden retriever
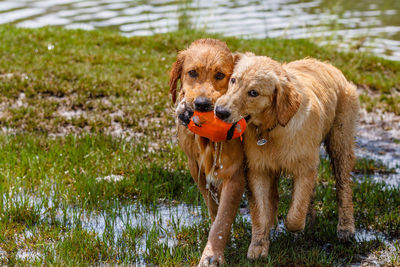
292 108
204 70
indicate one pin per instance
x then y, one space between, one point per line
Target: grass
51 203
77 106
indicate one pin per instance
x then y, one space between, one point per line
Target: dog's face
204 70
259 89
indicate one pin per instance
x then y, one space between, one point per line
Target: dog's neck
262 129
264 126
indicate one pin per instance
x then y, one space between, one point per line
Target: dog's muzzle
222 113
203 104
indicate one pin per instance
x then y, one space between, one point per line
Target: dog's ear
175 74
238 56
288 101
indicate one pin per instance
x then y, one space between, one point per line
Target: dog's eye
193 74
233 80
219 76
253 93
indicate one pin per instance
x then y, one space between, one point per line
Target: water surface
364 25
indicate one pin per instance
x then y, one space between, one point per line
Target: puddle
164 216
163 219
3 254
361 25
110 178
28 255
378 138
382 257
365 236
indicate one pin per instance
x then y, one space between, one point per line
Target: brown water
364 25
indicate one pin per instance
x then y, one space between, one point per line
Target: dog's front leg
303 188
231 195
263 197
200 180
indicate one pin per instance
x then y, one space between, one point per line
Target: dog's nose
202 104
222 113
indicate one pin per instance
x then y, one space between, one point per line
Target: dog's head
261 90
204 70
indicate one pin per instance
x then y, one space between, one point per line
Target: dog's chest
264 154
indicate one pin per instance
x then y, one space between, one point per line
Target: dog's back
327 88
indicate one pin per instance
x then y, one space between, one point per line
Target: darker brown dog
204 70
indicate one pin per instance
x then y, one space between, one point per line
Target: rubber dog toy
207 125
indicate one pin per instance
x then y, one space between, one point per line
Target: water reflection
359 25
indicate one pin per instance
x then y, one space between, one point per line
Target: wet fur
300 105
207 57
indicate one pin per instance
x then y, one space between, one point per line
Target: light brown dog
292 109
204 70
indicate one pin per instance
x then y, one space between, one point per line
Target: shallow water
376 137
112 224
165 218
362 25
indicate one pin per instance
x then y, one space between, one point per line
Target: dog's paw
294 226
185 117
345 235
346 231
211 261
211 258
184 113
258 249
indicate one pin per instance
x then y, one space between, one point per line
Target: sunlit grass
97 105
53 207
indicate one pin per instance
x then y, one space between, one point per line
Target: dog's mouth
186 109
235 119
185 113
228 115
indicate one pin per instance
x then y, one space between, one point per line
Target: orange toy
207 125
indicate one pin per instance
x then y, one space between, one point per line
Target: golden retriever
292 108
204 70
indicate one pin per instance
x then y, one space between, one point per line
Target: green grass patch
79 106
75 167
53 202
95 80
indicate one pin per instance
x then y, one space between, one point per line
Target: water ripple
371 27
